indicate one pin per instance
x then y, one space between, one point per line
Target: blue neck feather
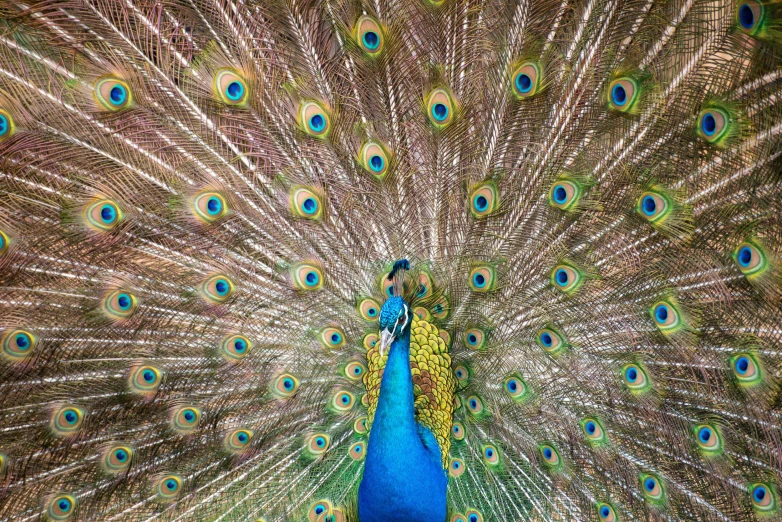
403 474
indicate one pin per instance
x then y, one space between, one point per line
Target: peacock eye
305 203
145 379
67 420
342 401
750 259
375 159
606 512
439 108
236 441
491 456
750 16
113 94
475 339
209 206
6 125
473 515
103 215
285 385
593 430
235 347
666 316
515 387
458 431
527 80
307 277
368 309
635 378
623 94
714 125
551 340
314 119
564 194
61 507
369 36
217 289
18 345
763 498
708 439
652 488
230 87
484 200
566 278
654 206
119 304
168 487
482 278
186 419
317 444
550 456
116 459
475 405
358 451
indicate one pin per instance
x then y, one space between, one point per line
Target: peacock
375 260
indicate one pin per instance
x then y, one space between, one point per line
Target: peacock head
395 319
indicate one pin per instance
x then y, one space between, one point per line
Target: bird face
395 318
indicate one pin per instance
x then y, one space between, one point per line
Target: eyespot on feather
606 512
750 259
708 439
462 374
332 337
358 451
458 431
314 119
482 278
654 206
652 488
236 347
715 126
624 94
370 340
305 203
666 316
67 420
117 458
475 339
145 379
355 371
550 456
168 488
473 515
763 498
186 419
342 401
593 431
285 385
515 387
19 345
318 509
237 441
209 206
566 278
475 406
564 194
456 467
368 309
635 378
360 426
375 159
112 94
484 199
61 507
103 215
307 277
217 289
551 340
746 369
440 108
527 80
7 126
369 35
317 444
119 304
230 87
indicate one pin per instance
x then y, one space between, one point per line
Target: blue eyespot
242 437
4 127
742 365
512 385
149 375
320 442
479 280
759 494
704 434
234 91
319 510
287 383
561 277
560 194
661 313
310 206
22 341
440 111
189 415
239 346
591 427
371 40
473 403
649 205
631 374
474 518
70 416
118 94
121 455
546 339
372 312
124 301
745 256
746 17
108 214
222 286
481 203
489 453
619 95
472 339
548 453
214 205
311 278
317 123
708 124
650 484
64 505
336 338
377 163
171 485
605 511
523 82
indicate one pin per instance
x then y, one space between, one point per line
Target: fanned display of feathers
200 201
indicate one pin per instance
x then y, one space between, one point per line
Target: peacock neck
395 414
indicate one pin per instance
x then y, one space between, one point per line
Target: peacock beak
386 338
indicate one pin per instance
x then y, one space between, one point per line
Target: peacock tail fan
201 203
